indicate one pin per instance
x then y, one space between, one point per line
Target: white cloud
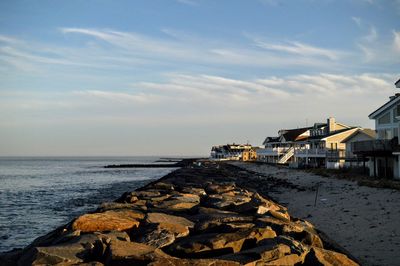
357 20
396 40
300 49
119 97
270 2
188 2
372 35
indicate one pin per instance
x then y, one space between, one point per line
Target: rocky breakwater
193 216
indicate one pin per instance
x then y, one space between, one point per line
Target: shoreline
215 206
362 219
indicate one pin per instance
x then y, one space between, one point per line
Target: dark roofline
397 82
319 137
386 105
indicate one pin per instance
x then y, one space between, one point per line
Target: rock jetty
197 215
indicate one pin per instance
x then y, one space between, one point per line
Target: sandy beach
363 220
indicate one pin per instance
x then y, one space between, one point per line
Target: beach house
318 146
281 149
383 153
324 147
229 151
362 134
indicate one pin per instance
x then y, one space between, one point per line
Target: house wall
390 129
249 155
358 137
387 130
335 141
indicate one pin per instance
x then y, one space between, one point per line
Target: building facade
383 153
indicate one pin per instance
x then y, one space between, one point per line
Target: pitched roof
393 100
397 83
366 131
270 139
330 134
294 134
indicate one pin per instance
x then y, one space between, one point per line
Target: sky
174 77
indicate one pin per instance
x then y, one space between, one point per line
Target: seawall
208 214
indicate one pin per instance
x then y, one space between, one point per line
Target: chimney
331 124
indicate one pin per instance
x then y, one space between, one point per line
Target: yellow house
249 155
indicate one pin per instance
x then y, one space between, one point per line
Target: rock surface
206 215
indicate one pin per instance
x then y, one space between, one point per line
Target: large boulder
206 245
83 248
108 221
132 253
179 226
259 254
162 229
178 202
218 188
319 256
192 262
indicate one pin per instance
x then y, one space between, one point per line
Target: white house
383 153
229 151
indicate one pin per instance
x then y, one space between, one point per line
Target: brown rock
214 188
192 262
146 194
192 190
78 250
186 197
179 226
175 205
291 259
163 186
121 252
219 244
223 201
156 237
108 221
319 256
280 214
259 254
160 198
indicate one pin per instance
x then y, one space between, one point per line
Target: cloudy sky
174 77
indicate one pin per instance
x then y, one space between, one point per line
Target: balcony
272 151
310 153
378 147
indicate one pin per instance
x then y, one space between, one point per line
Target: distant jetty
162 163
203 214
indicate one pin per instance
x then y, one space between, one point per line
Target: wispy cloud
357 20
396 40
372 35
119 97
188 2
300 49
270 2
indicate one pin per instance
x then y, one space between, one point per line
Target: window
396 112
385 133
395 132
385 119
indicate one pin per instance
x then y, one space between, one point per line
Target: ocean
39 194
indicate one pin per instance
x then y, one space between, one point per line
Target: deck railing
378 145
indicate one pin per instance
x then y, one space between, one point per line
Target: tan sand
363 220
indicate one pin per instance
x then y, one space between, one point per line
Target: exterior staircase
288 154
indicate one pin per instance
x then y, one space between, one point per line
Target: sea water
39 194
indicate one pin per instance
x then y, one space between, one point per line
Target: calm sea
39 194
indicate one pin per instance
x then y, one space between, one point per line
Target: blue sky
175 77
